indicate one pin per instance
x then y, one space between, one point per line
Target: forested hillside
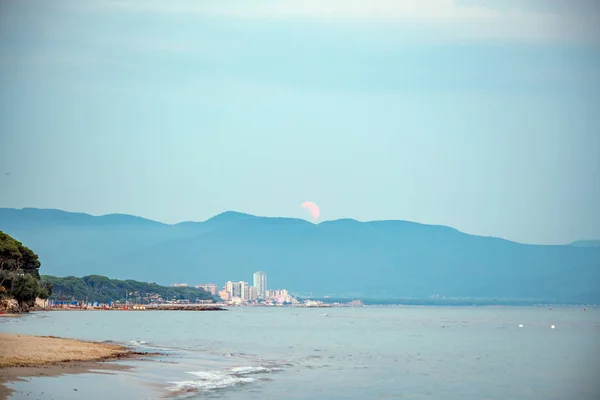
95 288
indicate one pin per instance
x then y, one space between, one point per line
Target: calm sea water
337 353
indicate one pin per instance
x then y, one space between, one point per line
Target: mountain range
377 259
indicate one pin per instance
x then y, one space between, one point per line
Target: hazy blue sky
481 115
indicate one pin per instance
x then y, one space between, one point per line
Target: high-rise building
260 283
238 289
244 291
229 287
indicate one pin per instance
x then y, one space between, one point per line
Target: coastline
23 356
156 307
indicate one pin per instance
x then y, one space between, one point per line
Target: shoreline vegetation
20 283
23 356
136 307
101 289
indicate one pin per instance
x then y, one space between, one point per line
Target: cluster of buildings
241 292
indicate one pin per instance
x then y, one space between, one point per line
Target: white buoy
552 327
520 325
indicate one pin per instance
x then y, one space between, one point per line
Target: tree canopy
19 272
96 288
14 256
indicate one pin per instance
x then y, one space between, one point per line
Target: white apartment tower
238 289
244 291
229 287
260 283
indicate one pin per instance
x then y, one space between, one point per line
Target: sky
480 115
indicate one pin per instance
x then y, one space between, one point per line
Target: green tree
9 250
19 272
25 288
16 257
45 290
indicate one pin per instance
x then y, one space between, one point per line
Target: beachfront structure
260 283
279 296
209 287
277 293
224 295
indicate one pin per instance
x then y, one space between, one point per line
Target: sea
371 352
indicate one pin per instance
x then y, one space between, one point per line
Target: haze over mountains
343 257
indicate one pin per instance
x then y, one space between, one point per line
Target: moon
312 208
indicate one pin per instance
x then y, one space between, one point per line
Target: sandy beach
24 356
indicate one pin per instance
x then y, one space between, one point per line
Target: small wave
209 381
235 355
253 370
138 343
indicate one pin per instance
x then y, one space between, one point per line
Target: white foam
215 380
138 343
253 370
205 386
209 381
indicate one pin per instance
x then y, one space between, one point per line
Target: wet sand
23 356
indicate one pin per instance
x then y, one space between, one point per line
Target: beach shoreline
25 356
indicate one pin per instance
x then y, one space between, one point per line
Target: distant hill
586 243
345 257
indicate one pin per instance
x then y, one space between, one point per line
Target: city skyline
240 292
